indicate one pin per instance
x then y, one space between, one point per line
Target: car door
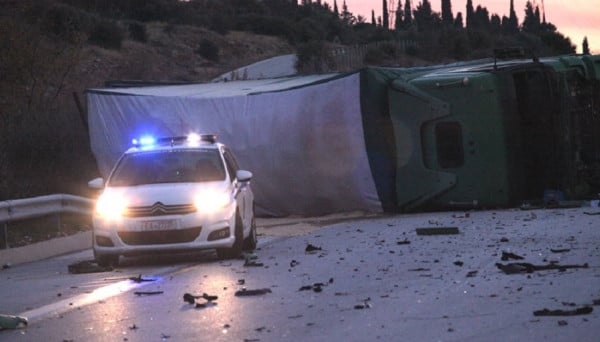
243 194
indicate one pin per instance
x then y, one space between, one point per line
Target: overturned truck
475 134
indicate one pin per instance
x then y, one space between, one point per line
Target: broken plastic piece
437 231
404 242
12 322
563 250
312 248
139 279
524 267
508 255
244 292
147 293
579 311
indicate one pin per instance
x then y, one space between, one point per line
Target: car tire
234 251
251 241
107 260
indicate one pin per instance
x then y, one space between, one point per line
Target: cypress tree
398 24
386 18
447 16
458 22
470 14
373 18
335 9
407 14
585 46
513 21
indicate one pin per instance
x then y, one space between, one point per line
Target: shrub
107 35
208 50
137 31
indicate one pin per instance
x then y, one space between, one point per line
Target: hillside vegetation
53 50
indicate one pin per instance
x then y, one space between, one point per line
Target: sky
573 18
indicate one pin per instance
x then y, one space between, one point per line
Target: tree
373 18
531 23
585 47
399 19
386 17
407 14
424 16
458 22
447 16
470 14
513 21
335 9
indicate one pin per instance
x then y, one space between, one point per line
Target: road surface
370 279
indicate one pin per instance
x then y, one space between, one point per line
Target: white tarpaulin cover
301 137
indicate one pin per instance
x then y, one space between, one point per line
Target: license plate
158 225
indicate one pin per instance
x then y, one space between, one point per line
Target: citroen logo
158 208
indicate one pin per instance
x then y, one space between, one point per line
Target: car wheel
107 260
251 241
236 250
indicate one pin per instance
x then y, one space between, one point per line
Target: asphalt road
367 280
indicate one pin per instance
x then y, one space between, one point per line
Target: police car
174 194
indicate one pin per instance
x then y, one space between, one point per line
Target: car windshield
175 166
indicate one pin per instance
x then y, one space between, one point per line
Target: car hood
168 194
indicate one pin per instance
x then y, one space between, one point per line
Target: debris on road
403 242
139 279
251 260
471 274
437 231
6 266
147 293
256 292
312 248
563 250
88 266
12 322
579 311
508 255
524 267
458 263
316 287
191 299
364 305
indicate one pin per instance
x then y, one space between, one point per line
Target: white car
174 194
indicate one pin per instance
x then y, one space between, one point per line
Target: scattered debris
471 274
564 250
316 287
524 267
6 265
241 281
420 269
592 213
147 293
88 266
458 263
562 323
596 302
256 292
133 327
311 248
139 279
508 255
12 322
294 263
579 311
205 305
364 305
504 239
404 242
191 299
437 231
253 263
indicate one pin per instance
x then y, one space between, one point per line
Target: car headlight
211 201
111 206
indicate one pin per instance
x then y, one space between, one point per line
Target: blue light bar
144 141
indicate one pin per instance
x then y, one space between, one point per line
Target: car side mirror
243 175
96 183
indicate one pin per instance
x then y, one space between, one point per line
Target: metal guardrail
34 207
